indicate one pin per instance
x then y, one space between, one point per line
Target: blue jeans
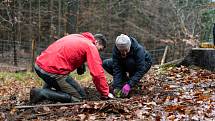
63 83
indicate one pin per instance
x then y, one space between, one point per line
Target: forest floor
168 93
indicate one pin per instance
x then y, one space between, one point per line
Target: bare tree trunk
214 33
30 18
31 37
39 22
59 18
65 13
19 20
73 16
51 21
14 34
33 46
78 14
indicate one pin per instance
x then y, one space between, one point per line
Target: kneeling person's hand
81 69
109 96
126 89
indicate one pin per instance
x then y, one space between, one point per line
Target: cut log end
202 57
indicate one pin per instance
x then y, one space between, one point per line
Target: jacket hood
134 43
89 36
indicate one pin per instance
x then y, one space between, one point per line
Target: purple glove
126 89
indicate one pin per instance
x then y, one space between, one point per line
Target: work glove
109 96
126 89
81 69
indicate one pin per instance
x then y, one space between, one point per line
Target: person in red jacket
64 56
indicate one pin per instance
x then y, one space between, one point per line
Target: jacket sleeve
95 66
143 64
117 73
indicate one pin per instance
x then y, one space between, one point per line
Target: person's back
66 54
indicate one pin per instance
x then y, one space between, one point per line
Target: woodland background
166 93
28 26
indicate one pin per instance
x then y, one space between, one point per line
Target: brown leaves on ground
178 94
15 89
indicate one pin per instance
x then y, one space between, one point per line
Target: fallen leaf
82 117
47 109
63 108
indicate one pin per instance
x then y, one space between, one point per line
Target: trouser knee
70 86
108 65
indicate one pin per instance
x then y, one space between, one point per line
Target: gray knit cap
123 42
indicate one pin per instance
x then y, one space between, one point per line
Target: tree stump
202 57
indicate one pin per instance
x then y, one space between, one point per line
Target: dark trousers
62 83
128 69
127 66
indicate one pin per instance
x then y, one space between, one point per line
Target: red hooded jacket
70 52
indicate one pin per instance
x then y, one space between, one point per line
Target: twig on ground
66 104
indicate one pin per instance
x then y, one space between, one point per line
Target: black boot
37 95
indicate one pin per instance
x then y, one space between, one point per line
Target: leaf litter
178 93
